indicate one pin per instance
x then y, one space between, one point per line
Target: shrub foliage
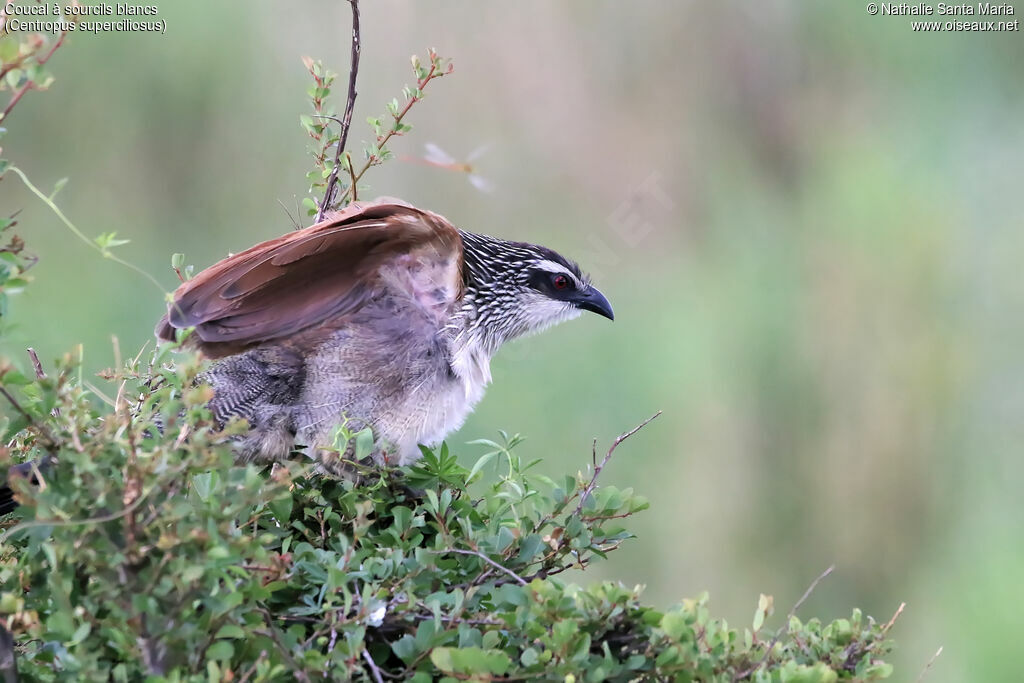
149 552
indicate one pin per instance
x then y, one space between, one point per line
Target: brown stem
53 48
20 92
608 456
383 139
332 180
352 177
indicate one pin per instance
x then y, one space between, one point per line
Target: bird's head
515 288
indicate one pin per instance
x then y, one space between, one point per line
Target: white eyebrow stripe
555 267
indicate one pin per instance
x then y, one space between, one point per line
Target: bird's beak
594 301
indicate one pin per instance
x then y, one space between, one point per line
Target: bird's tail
7 502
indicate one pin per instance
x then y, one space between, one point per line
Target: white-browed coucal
382 315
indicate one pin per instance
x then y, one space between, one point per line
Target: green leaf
765 607
470 660
203 484
221 650
193 573
230 631
108 240
480 464
675 625
58 186
364 443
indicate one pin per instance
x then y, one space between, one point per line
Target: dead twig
608 456
929 665
789 617
332 180
476 553
374 669
899 611
856 649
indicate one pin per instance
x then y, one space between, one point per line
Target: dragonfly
438 158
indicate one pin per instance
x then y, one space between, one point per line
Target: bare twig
857 649
332 180
374 669
807 593
789 617
476 553
608 456
929 665
297 225
888 625
248 673
15 98
351 176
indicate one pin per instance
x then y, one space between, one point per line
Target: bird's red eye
561 282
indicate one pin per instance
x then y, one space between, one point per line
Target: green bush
151 553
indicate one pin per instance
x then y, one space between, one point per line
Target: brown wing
302 279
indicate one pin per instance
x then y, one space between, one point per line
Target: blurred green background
809 221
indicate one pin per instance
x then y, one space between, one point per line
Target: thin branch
476 553
856 649
351 177
346 123
789 617
53 48
608 456
382 140
899 611
29 85
295 223
929 665
374 669
248 673
807 593
15 98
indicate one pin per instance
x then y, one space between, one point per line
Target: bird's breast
471 366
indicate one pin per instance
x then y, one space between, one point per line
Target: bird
381 316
